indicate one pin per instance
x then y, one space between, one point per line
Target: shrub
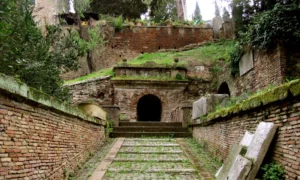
273 171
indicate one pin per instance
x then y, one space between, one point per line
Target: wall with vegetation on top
269 68
221 129
42 138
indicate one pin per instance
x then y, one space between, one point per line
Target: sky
207 8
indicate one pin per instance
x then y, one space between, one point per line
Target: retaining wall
220 130
42 138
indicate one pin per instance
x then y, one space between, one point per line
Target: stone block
207 104
239 169
224 170
246 63
259 146
248 137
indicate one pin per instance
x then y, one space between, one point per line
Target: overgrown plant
34 58
273 171
108 128
118 23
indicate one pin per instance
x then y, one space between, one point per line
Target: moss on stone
19 89
295 87
276 94
268 97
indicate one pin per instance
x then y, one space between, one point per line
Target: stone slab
199 108
207 104
259 146
239 169
233 153
103 166
248 137
246 63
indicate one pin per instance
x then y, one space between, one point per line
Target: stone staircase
146 158
153 129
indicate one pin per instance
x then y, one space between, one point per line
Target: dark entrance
224 89
149 108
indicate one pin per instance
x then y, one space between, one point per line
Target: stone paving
142 159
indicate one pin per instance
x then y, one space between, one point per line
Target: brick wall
40 137
151 39
219 134
269 69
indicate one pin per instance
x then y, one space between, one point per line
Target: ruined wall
281 106
40 137
151 39
98 90
45 13
129 43
269 69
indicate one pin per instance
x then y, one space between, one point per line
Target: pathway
144 158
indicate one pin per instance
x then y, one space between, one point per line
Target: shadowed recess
149 108
224 89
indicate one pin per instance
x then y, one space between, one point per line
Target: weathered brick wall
151 39
222 133
98 90
40 139
130 43
269 69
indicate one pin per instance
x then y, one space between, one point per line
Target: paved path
143 158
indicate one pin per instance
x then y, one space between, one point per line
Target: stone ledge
278 94
88 80
18 89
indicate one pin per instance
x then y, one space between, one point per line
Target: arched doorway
149 108
224 89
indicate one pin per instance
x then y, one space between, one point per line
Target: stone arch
149 108
224 89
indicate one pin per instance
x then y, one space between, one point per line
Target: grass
102 72
209 162
209 53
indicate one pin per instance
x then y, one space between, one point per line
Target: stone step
150 158
149 129
160 124
148 144
146 150
144 166
156 170
150 139
150 134
143 176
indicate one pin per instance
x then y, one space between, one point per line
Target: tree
35 59
217 10
226 15
167 9
197 14
131 9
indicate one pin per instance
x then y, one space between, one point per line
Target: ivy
266 30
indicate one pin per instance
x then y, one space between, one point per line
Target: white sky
207 8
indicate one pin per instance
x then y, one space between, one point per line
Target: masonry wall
219 135
98 90
151 39
41 138
129 43
269 69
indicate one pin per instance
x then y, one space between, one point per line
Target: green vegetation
211 163
264 31
103 72
273 171
208 53
260 98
